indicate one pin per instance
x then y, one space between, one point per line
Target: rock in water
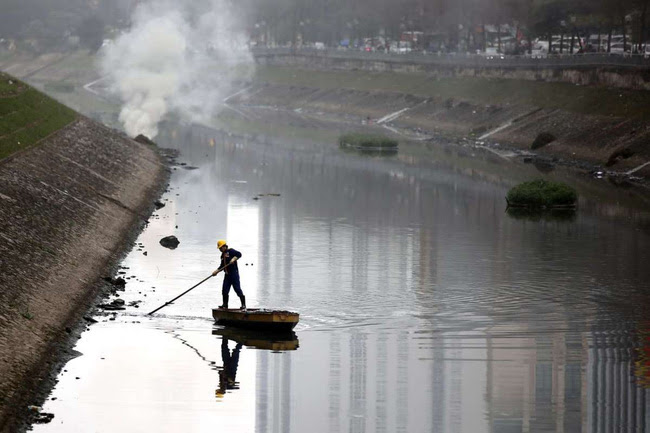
144 140
170 242
542 139
43 418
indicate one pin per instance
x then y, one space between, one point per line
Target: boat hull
256 319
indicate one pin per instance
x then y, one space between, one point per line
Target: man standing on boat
228 264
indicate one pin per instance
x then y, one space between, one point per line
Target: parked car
618 48
489 52
540 45
645 49
538 53
592 42
401 47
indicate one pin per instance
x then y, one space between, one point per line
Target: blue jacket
225 259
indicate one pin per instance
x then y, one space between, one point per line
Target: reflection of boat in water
258 319
276 341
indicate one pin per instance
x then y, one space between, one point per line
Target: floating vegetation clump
367 141
542 194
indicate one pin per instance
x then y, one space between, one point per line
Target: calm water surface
424 306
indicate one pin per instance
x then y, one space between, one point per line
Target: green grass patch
541 193
367 141
10 86
60 87
28 116
581 99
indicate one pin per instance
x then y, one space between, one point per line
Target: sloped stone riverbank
68 209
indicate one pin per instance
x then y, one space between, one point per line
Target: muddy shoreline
72 208
63 351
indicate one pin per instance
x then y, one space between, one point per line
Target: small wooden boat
256 318
275 341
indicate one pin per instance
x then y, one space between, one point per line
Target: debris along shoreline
71 208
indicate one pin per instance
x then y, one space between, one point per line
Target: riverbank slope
601 126
67 206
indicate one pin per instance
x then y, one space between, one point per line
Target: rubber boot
225 303
242 298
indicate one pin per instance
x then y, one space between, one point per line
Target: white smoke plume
179 57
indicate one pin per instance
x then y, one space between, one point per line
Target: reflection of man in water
229 371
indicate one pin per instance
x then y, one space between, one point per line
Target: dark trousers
230 361
231 280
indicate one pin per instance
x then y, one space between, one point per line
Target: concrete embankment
67 208
619 142
603 70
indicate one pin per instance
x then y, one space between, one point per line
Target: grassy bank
580 99
27 116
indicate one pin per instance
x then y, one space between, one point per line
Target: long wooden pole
191 288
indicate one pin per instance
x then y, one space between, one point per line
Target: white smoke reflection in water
180 58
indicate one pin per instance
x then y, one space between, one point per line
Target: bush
540 194
542 140
618 154
367 141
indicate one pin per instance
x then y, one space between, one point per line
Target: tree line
453 25
461 23
48 24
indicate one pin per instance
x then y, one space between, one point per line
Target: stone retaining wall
67 207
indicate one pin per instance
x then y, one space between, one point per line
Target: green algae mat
27 115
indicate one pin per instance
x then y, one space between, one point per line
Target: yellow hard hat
221 243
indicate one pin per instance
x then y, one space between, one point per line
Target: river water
425 307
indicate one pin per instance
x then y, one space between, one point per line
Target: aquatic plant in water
541 193
367 141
